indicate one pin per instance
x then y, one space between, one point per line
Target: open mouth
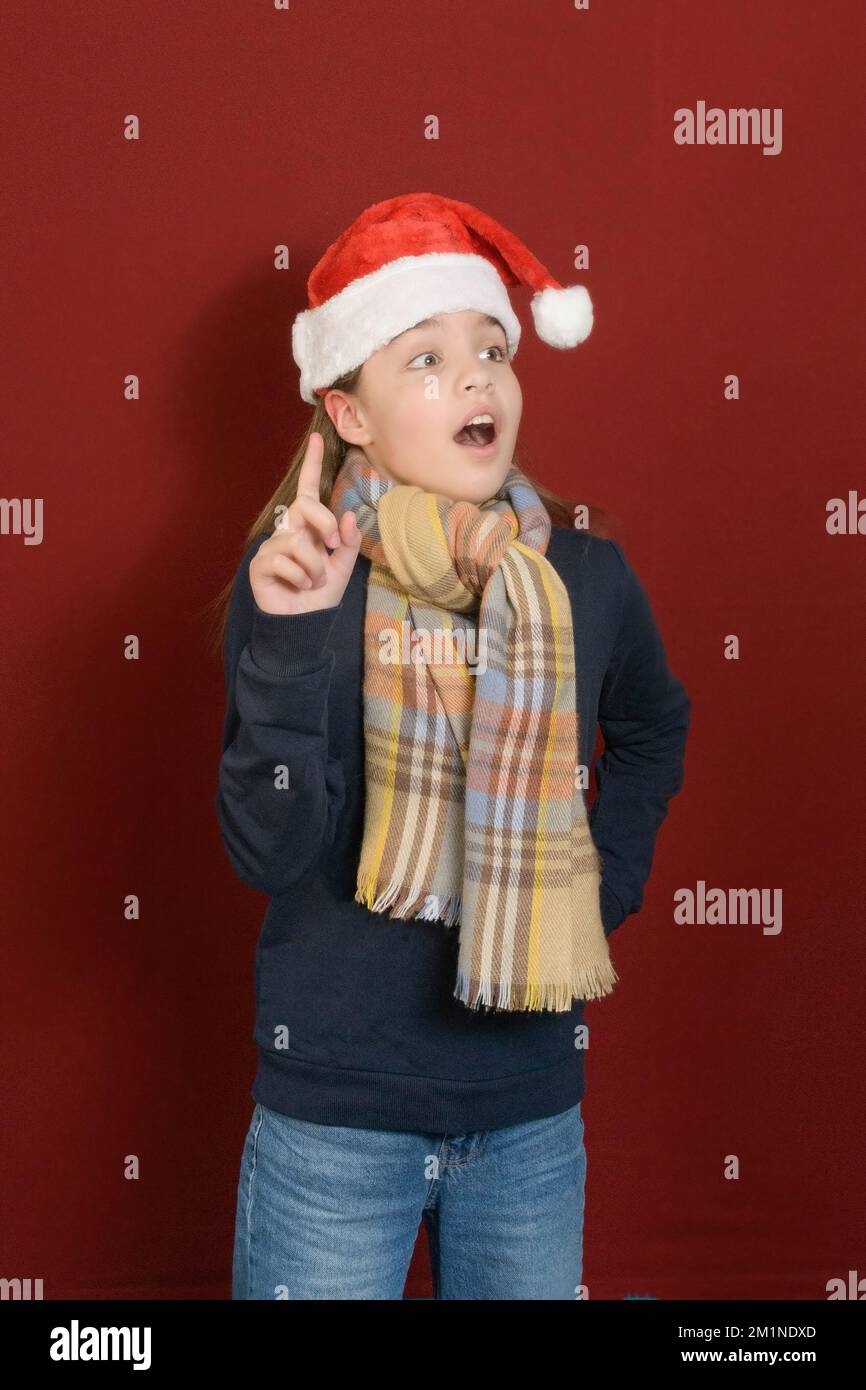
478 434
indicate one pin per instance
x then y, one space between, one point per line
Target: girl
419 645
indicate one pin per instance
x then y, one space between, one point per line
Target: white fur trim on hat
340 334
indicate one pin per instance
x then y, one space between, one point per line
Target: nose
475 375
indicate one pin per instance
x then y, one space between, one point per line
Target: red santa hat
411 257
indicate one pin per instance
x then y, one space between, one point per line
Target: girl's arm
280 795
644 713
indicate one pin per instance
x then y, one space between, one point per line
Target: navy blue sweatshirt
356 1023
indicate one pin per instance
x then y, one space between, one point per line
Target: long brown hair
560 509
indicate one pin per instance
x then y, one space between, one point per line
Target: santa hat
411 257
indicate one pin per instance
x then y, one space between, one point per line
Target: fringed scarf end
596 981
437 906
593 983
440 907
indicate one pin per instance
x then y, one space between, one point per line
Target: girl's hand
292 571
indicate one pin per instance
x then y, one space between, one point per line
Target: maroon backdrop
154 257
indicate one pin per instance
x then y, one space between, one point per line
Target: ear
347 415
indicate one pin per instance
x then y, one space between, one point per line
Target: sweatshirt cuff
286 644
612 913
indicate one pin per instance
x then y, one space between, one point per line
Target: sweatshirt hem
394 1101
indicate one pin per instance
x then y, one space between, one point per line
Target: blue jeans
331 1212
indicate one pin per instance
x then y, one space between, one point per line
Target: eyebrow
487 320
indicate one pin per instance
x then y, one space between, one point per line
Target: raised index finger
310 475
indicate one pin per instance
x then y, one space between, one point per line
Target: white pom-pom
563 318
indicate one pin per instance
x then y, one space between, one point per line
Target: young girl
419 645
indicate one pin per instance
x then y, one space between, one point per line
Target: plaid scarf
473 809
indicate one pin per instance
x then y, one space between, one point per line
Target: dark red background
155 257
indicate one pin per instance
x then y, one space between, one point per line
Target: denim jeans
331 1212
